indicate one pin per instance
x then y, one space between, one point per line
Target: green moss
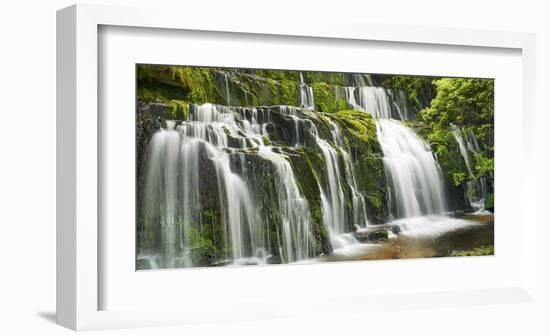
361 140
308 167
162 83
157 92
481 251
330 78
325 98
198 81
358 125
180 110
290 91
278 75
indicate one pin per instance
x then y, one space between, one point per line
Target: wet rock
376 234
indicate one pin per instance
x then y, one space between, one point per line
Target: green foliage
418 89
483 165
463 102
459 178
481 251
468 104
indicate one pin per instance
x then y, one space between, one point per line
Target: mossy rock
361 140
308 168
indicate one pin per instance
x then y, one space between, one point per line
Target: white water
476 189
306 94
220 135
227 96
358 200
350 97
376 101
431 226
293 207
172 190
298 123
332 196
362 79
414 176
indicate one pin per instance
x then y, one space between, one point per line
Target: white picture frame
78 130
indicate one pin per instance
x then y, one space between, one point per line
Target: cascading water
306 94
230 185
333 196
476 188
214 137
362 79
218 138
293 206
376 101
414 176
358 200
227 96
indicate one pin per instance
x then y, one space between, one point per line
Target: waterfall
332 191
462 147
376 101
244 180
350 97
227 97
362 79
414 177
293 206
298 123
400 103
306 94
174 175
476 188
332 197
215 138
358 200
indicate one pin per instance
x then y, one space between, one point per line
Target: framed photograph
232 171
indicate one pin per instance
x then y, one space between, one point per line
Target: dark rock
143 264
375 234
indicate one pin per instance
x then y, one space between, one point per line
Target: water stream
476 188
